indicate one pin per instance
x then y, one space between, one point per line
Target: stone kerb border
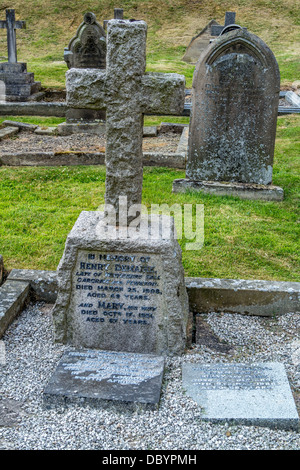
262 298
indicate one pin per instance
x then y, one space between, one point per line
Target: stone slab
149 131
104 378
21 125
68 158
292 98
8 132
45 131
68 128
248 394
248 297
13 296
43 284
241 190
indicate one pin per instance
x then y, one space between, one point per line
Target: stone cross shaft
216 30
127 93
11 25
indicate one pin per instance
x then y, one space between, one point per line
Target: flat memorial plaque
249 394
100 378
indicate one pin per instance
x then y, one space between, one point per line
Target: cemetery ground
242 240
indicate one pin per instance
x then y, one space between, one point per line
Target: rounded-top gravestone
235 99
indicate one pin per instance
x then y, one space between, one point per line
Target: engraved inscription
118 292
234 377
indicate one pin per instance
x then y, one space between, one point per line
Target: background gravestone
87 50
19 84
233 120
199 43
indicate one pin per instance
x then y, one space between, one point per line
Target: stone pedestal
78 121
19 84
121 293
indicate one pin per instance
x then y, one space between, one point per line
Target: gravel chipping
165 142
31 357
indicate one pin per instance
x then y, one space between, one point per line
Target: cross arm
20 24
86 88
162 93
3 24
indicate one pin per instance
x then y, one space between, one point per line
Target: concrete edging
257 297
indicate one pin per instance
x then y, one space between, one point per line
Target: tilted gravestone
118 292
87 49
199 43
19 84
232 130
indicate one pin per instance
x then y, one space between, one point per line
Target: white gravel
31 357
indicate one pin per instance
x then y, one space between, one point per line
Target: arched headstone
233 120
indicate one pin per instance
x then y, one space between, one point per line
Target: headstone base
241 190
104 379
247 394
67 128
19 84
122 292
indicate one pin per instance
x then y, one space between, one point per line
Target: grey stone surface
11 412
67 128
8 132
262 192
293 99
43 284
199 43
103 378
138 93
241 393
57 109
257 297
171 160
21 125
235 99
45 130
87 49
121 294
13 296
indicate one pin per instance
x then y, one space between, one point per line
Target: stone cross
11 25
216 30
127 93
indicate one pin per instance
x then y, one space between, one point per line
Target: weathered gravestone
87 49
199 43
233 120
19 84
118 291
240 393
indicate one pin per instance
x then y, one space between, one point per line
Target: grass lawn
242 239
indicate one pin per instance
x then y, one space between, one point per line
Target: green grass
243 239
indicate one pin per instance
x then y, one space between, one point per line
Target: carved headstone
235 99
87 49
